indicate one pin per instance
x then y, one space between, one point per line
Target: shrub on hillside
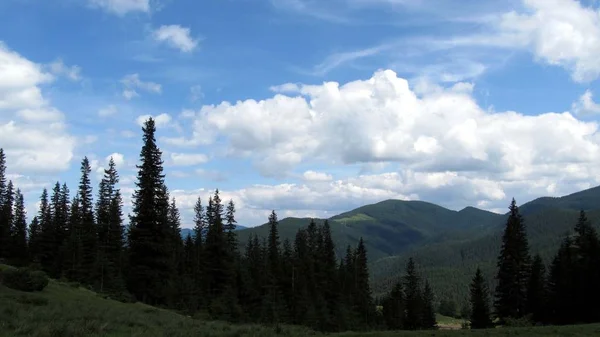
24 279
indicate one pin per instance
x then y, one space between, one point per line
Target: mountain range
447 245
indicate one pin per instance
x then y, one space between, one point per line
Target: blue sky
307 107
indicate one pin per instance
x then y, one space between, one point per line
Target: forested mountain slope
447 245
391 227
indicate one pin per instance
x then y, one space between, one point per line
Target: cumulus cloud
445 147
316 176
32 131
563 33
188 159
585 105
176 36
118 158
132 82
382 119
161 120
122 7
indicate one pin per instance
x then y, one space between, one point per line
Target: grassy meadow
65 310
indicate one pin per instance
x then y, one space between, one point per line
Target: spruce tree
513 268
149 254
273 302
199 266
49 244
536 290
6 219
87 227
2 175
33 244
562 283
61 218
74 244
19 254
394 306
428 320
44 231
414 297
587 247
364 307
110 232
230 225
219 261
480 307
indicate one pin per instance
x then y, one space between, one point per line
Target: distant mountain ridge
186 231
448 245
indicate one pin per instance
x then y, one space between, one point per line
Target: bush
24 279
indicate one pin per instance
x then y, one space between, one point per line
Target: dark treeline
526 294
83 239
80 238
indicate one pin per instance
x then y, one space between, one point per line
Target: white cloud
188 159
132 82
316 176
122 7
107 111
286 88
32 132
383 120
176 36
118 158
58 68
159 120
586 105
559 32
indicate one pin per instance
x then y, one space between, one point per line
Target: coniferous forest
83 236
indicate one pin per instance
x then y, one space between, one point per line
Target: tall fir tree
273 304
536 291
33 245
364 307
199 265
4 222
45 230
480 303
149 254
428 320
230 225
587 247
6 218
74 244
50 245
87 226
110 232
562 284
513 268
394 307
18 250
414 297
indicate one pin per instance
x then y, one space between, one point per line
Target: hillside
65 310
448 245
451 264
391 227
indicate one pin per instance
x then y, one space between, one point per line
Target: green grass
63 310
551 331
355 217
